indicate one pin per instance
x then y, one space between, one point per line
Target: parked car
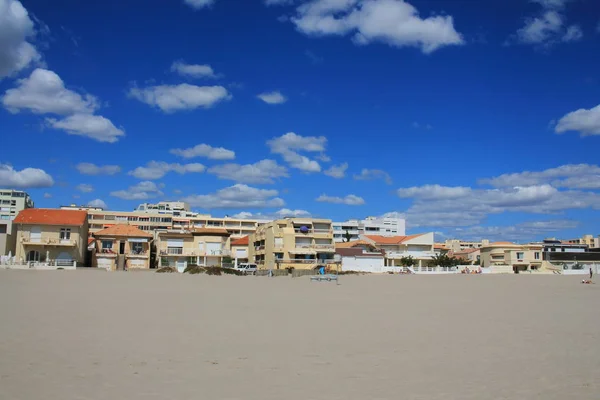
247 268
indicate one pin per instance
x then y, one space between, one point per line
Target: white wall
363 264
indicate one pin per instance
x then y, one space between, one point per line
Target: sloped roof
353 243
123 230
241 241
392 239
46 216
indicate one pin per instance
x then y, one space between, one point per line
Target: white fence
35 265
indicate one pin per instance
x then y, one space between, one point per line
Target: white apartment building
11 203
175 208
81 208
457 245
382 226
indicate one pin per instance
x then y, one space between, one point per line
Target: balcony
415 254
307 232
138 254
324 247
46 241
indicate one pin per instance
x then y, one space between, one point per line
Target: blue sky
478 121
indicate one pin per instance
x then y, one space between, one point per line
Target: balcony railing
416 254
44 240
324 246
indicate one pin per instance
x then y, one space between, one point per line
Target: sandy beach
97 335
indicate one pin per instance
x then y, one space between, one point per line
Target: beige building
520 257
300 243
199 246
239 250
121 247
419 246
470 256
456 245
52 237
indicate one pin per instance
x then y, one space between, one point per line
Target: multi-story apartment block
199 246
175 208
519 257
121 247
419 247
81 207
588 240
53 237
383 226
11 203
457 245
300 243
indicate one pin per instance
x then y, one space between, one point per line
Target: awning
137 240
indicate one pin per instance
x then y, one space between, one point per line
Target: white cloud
548 28
142 191
586 122
290 144
16 53
236 196
205 150
264 171
350 200
394 22
92 169
523 232
572 176
98 203
47 195
198 4
172 98
45 93
84 188
372 174
95 127
272 97
157 169
337 171
283 213
434 192
193 70
24 179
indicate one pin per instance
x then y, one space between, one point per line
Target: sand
140 335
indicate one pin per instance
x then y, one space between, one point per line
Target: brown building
122 246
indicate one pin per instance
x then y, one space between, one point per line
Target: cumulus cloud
205 150
394 22
172 98
548 27
237 196
157 169
272 97
95 127
373 174
586 122
25 178
47 195
142 191
434 192
193 70
571 176
289 146
283 213
93 169
523 232
44 92
16 53
98 203
84 188
350 200
198 4
337 171
261 172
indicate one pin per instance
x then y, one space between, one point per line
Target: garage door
104 263
137 263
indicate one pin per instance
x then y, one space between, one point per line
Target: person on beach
591 273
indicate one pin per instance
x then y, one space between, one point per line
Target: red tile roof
391 239
123 230
354 243
241 241
46 216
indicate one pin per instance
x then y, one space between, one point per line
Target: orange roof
241 241
354 243
47 216
90 240
391 239
439 246
466 251
123 230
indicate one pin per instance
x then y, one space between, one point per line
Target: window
132 218
519 255
109 217
536 255
107 245
278 256
65 233
137 248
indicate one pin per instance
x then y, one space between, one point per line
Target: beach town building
383 226
197 246
520 257
11 203
456 245
81 207
300 243
50 236
360 255
121 247
588 240
470 256
419 246
239 250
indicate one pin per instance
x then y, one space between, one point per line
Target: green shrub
230 271
194 269
166 270
213 270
